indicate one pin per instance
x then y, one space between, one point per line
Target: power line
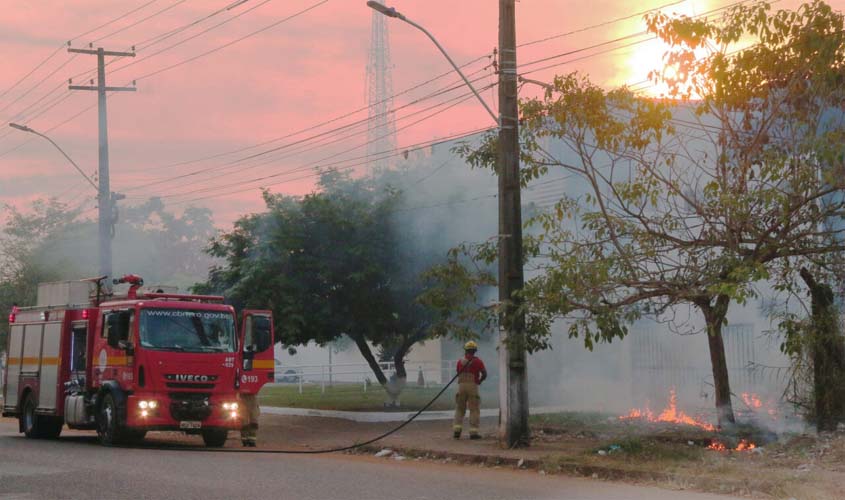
328 133
233 42
36 68
317 166
192 37
398 151
307 129
92 30
136 23
600 25
154 40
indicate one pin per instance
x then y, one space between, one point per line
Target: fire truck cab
126 365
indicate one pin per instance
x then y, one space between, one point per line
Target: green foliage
328 264
50 242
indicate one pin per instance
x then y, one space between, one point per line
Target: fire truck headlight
144 413
234 414
145 404
230 406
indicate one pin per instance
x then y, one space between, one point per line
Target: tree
697 199
50 242
327 264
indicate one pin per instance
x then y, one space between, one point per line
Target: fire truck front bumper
187 412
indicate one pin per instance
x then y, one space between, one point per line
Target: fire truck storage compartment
34 352
65 292
13 363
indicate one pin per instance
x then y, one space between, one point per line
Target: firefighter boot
456 432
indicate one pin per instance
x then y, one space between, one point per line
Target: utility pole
513 383
106 200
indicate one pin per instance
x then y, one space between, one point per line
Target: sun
646 54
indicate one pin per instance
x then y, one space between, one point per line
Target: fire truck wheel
50 427
215 438
108 428
135 437
29 420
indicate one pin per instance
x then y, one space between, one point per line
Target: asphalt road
77 467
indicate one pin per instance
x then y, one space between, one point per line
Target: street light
24 128
107 201
392 12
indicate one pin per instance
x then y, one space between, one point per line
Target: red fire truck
125 365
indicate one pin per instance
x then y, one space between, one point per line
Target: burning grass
671 414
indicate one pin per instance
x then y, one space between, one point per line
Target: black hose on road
316 452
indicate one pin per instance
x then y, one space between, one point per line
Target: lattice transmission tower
381 132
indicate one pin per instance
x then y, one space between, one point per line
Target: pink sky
298 74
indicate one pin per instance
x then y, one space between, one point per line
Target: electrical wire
316 167
233 163
142 20
92 30
229 44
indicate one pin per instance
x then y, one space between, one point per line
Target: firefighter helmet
471 346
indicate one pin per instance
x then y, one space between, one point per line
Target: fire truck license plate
190 424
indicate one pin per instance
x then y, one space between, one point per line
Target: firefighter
250 419
471 373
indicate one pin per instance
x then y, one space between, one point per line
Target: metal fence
426 373
659 362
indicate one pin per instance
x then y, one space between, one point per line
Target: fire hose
326 450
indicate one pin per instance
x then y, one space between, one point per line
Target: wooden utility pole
106 200
513 389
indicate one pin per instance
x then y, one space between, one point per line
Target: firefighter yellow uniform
471 373
251 412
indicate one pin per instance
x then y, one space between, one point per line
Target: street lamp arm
391 12
31 131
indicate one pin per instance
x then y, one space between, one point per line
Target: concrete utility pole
106 200
513 383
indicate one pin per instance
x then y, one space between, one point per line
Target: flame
744 445
752 400
717 446
670 414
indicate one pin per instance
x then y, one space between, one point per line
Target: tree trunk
714 316
395 387
827 348
365 350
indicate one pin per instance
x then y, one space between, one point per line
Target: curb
709 484
393 416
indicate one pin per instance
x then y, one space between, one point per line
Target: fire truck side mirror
126 346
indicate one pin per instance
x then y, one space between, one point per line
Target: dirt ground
802 467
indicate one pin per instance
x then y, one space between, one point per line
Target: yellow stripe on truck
33 361
116 361
264 364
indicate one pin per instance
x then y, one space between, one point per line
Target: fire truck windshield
187 330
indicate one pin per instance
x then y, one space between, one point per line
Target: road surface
77 467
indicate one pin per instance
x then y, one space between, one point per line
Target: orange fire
671 414
717 446
744 445
752 400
